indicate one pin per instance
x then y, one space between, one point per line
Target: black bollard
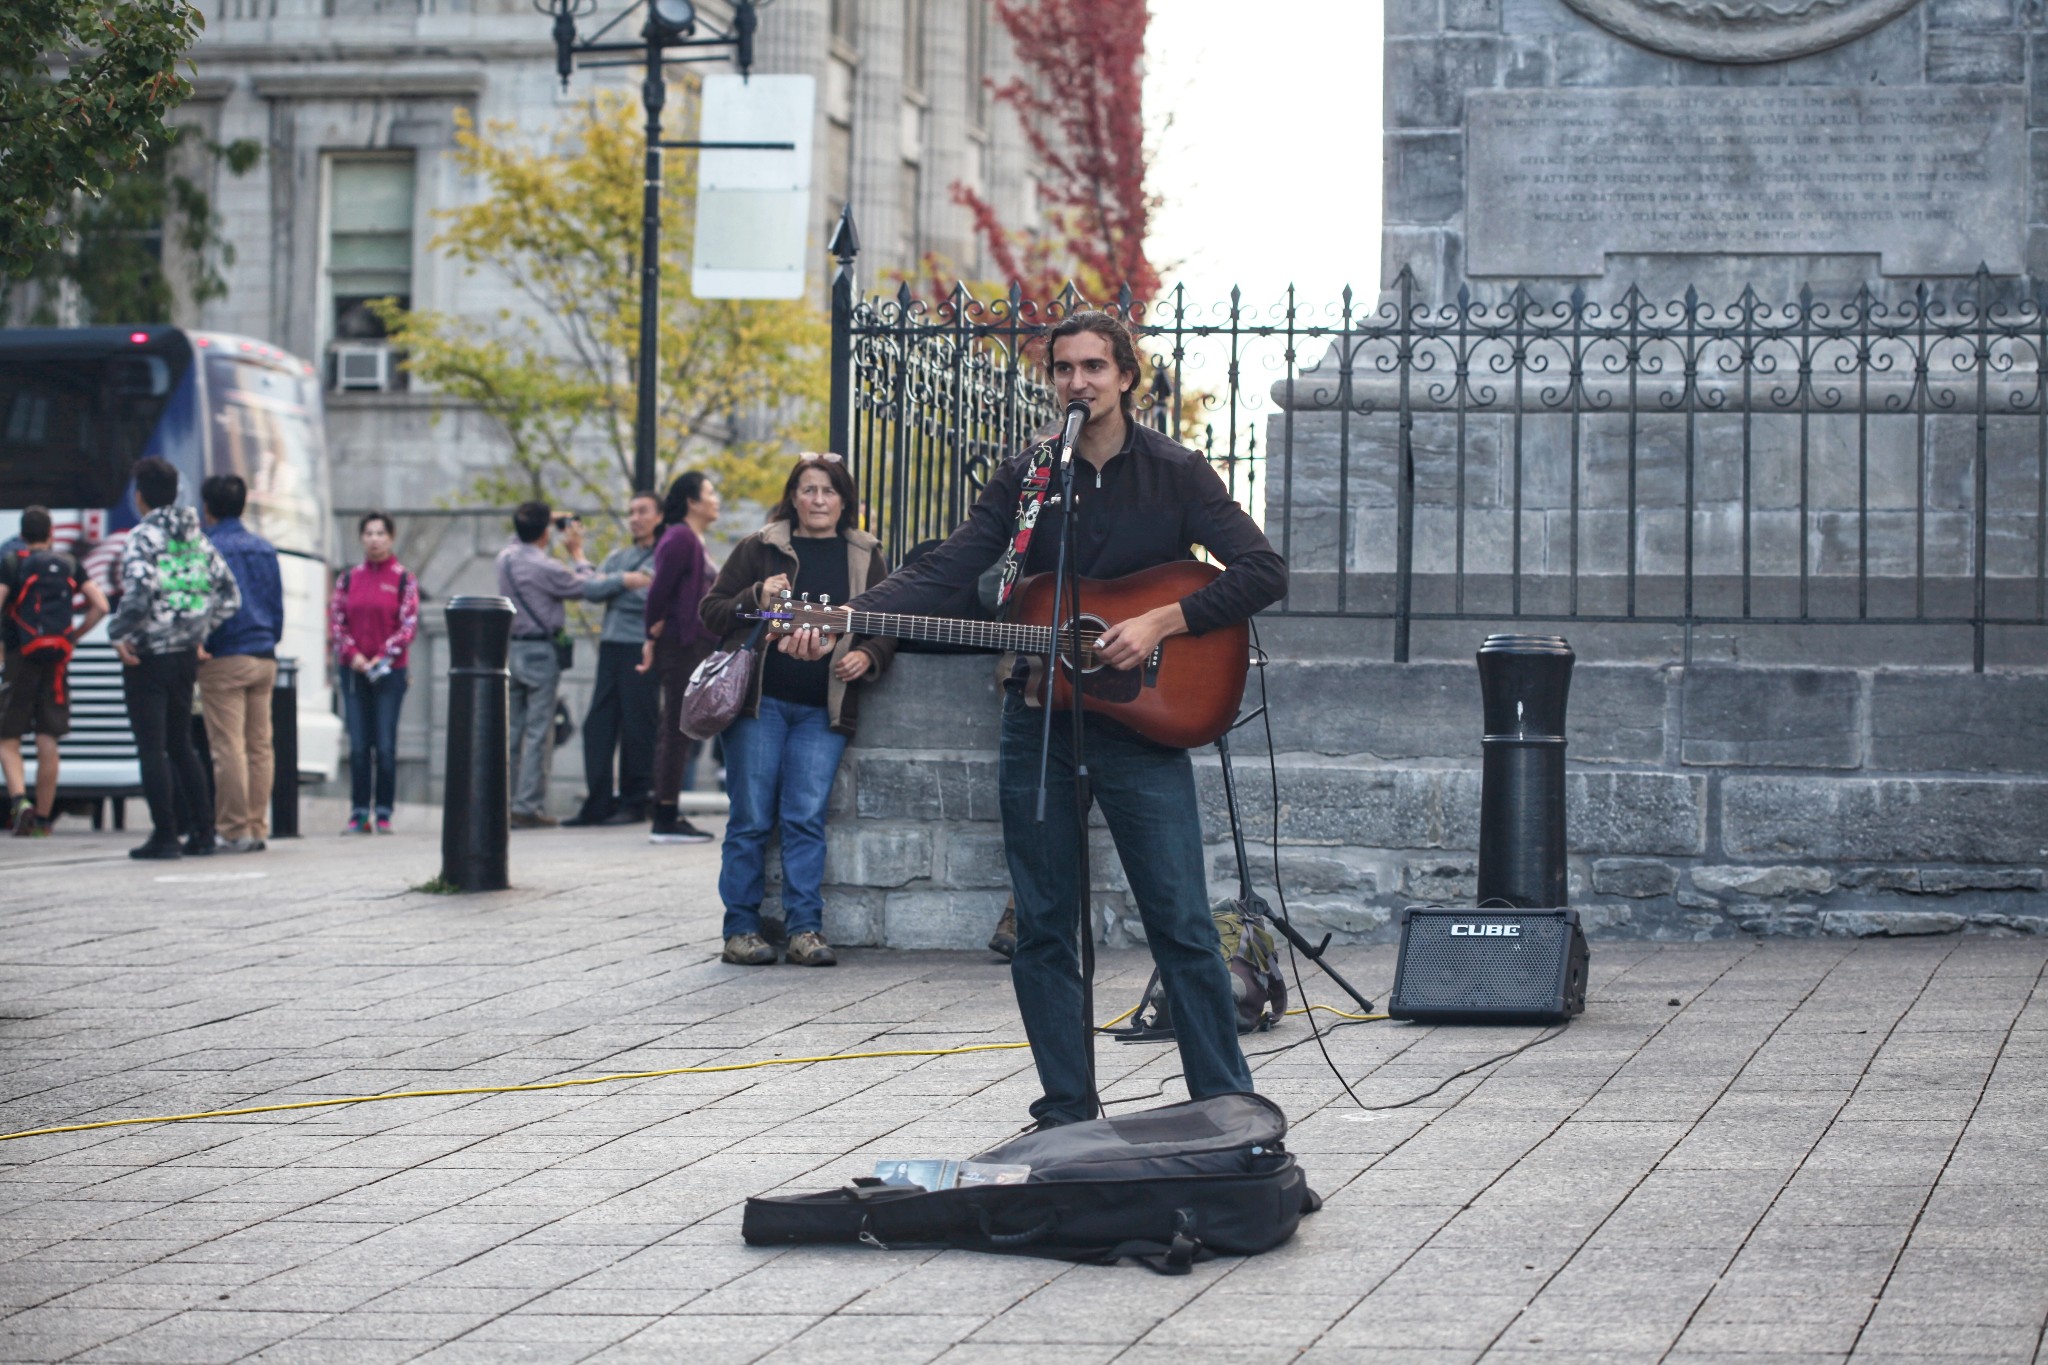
1524 680
284 748
476 800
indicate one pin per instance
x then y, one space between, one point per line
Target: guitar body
1186 694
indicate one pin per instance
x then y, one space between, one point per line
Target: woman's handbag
718 688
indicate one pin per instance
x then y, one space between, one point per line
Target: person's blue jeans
779 768
370 711
1147 795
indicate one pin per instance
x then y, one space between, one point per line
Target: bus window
266 430
70 427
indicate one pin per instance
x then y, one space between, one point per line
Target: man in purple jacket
677 640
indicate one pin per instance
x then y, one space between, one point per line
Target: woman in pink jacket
371 621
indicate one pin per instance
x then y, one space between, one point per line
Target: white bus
78 408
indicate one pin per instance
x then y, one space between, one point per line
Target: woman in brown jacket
782 753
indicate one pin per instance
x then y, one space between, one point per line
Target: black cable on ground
1279 890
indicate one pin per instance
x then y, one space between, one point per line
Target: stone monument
1716 143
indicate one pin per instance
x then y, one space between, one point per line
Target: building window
369 241
977 63
845 20
913 45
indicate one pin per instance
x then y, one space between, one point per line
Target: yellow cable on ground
536 1085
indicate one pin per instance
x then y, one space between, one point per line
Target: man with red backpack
37 585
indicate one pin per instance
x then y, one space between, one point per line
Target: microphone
1077 417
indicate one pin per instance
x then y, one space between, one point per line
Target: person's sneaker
626 815
22 817
357 824
589 815
809 949
246 844
202 845
383 824
1003 941
538 819
157 848
674 829
747 950
43 827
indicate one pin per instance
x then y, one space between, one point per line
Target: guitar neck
951 631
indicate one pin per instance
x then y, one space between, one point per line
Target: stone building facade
353 102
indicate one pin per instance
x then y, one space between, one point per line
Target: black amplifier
1460 966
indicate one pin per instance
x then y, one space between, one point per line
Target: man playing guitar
1142 500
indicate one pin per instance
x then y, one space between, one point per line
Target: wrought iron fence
1875 461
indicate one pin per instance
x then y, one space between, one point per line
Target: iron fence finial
845 242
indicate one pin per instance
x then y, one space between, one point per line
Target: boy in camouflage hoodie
175 588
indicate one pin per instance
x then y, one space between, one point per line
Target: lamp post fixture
668 24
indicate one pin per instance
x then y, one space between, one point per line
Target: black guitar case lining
1167 1186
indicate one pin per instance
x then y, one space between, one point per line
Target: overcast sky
1270 165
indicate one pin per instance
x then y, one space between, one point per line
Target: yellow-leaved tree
562 226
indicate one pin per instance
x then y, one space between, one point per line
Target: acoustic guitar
1184 694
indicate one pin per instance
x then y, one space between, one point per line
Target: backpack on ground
39 608
1167 1187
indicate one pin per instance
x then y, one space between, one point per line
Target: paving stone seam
1920 1211
1333 1103
1786 1183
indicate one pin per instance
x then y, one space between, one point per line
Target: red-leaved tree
1081 104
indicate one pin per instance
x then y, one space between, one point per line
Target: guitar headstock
790 613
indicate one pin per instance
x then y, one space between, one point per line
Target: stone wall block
1981 820
1615 715
1881 879
1950 881
973 858
1766 882
896 788
1895 923
853 916
940 919
1472 16
1924 720
1387 710
1976 14
1771 717
1892 54
1420 19
1442 881
1334 804
1957 58
2037 86
1599 58
1426 78
1638 878
933 701
865 856
1425 177
1634 812
1307 872
1348 920
1776 920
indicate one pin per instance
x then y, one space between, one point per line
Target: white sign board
754 207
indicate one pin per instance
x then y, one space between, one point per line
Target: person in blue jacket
238 669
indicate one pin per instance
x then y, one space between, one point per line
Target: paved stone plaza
1769 1152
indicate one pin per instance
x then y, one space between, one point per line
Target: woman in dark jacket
782 754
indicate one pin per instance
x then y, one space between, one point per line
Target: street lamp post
669 24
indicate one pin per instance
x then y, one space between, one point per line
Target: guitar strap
1030 499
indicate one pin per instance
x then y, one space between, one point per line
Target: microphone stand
1066 592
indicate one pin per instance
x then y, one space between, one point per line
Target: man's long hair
1122 348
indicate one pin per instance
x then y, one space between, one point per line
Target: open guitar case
1167 1187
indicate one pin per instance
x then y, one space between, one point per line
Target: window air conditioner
362 368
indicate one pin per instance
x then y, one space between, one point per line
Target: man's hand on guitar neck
1128 643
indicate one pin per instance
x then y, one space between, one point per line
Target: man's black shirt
1148 505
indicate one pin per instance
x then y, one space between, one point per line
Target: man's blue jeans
779 768
1147 795
370 711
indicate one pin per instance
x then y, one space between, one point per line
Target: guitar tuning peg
824 599
785 594
807 597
